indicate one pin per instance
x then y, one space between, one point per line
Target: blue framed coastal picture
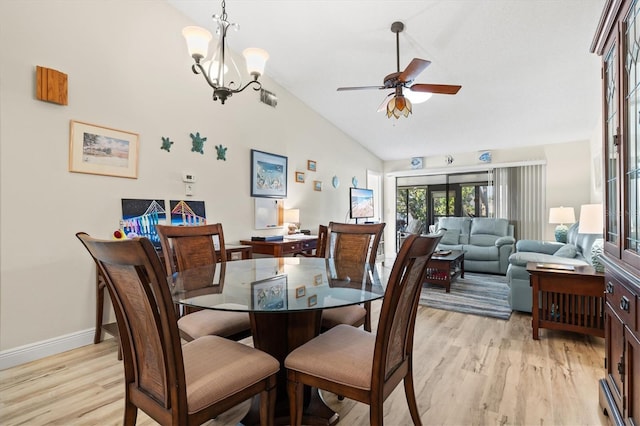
268 175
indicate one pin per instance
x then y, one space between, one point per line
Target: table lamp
292 217
591 222
561 216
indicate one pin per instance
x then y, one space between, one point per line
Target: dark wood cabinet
617 40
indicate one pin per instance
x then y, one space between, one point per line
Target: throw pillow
567 250
450 237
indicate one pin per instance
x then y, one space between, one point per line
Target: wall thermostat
188 177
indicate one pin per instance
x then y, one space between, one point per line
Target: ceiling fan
399 105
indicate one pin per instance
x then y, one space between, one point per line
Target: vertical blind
519 195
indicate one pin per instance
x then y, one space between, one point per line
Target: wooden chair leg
367 317
97 338
130 413
294 390
267 406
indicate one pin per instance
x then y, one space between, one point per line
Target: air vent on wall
269 98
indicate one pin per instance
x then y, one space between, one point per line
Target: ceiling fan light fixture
418 97
397 106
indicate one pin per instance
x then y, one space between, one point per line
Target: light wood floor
469 370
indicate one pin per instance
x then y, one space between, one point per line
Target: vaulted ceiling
525 68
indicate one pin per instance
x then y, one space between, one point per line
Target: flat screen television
361 203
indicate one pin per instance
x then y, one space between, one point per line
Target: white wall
569 179
128 69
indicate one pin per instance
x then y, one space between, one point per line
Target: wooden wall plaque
51 85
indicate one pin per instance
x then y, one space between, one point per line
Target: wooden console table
234 252
283 247
571 300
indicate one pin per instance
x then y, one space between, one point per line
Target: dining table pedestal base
279 333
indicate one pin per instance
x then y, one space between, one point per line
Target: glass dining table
285 298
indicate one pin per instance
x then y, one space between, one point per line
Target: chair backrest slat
146 319
321 245
187 247
394 339
353 242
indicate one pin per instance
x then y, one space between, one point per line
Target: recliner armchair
577 251
487 242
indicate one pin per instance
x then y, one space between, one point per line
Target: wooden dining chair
364 366
186 247
347 242
174 384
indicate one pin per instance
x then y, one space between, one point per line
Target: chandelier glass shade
214 70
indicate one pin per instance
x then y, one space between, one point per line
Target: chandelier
214 70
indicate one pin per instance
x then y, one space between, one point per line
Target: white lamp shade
591 219
256 60
562 215
292 216
417 97
197 41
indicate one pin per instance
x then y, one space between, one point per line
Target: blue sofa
487 242
571 253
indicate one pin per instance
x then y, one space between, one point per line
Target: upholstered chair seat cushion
211 378
343 315
218 323
343 355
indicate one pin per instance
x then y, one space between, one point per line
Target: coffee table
445 267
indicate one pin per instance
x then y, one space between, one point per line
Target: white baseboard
23 354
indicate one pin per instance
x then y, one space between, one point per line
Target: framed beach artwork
102 150
268 175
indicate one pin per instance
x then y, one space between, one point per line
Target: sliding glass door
421 200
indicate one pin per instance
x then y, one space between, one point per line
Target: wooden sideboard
284 247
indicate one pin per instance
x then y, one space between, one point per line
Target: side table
565 299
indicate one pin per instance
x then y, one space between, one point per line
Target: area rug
477 294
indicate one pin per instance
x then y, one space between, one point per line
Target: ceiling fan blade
442 89
383 105
340 89
415 67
